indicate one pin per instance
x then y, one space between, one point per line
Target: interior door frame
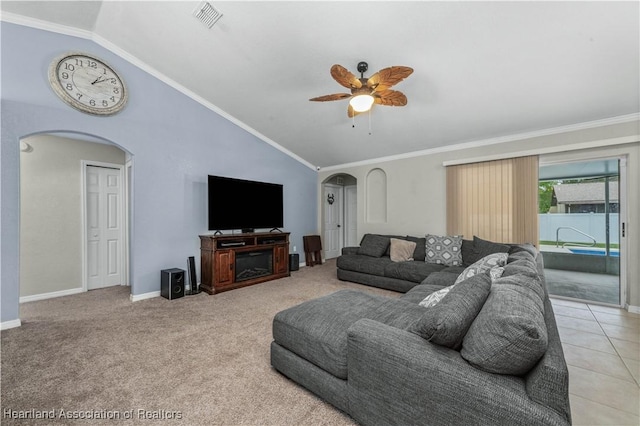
124 259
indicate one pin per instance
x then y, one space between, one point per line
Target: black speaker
172 283
193 281
294 262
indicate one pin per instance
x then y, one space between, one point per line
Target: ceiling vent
207 14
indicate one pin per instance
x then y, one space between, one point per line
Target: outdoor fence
590 223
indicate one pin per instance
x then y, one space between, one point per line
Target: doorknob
338 226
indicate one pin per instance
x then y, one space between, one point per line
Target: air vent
207 14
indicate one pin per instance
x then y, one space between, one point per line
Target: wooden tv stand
233 261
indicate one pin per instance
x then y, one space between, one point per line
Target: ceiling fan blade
334 97
351 112
390 98
387 77
345 78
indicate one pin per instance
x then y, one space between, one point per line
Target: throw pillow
468 252
529 248
444 250
496 272
401 250
419 252
509 334
447 322
435 297
483 265
373 245
482 248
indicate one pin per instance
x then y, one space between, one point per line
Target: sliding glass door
580 229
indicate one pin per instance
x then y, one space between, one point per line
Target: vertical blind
494 200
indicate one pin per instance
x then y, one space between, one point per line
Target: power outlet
295 249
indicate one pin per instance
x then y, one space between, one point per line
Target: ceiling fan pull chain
353 119
369 122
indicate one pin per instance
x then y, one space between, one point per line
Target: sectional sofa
486 352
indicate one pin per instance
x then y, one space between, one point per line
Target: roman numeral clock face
87 84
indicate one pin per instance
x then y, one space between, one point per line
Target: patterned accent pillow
401 250
444 250
483 265
435 297
496 272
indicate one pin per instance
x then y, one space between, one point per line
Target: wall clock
87 84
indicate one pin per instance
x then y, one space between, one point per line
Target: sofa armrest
350 250
396 377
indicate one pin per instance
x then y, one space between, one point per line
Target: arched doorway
60 246
339 213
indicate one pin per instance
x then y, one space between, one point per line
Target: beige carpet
197 360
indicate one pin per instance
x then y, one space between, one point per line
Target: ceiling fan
365 92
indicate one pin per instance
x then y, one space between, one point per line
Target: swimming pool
594 252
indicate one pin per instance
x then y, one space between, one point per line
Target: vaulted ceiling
482 70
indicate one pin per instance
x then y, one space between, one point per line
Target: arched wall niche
376 196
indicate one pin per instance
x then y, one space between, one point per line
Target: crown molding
504 139
44 25
103 42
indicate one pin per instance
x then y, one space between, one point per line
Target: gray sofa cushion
419 252
413 271
509 335
447 322
443 278
482 248
530 248
364 264
468 252
373 245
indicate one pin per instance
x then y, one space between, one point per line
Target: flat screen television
244 204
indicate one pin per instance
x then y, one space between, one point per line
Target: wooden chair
312 250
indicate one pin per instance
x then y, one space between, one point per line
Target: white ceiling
482 70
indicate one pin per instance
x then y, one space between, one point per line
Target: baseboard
144 296
633 309
51 295
10 324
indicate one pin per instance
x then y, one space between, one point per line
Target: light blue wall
175 143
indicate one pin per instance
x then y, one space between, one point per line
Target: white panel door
332 202
104 227
351 215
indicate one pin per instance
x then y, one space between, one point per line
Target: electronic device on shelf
232 244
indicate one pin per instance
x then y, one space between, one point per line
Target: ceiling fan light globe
361 103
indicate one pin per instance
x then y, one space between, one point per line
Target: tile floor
602 349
